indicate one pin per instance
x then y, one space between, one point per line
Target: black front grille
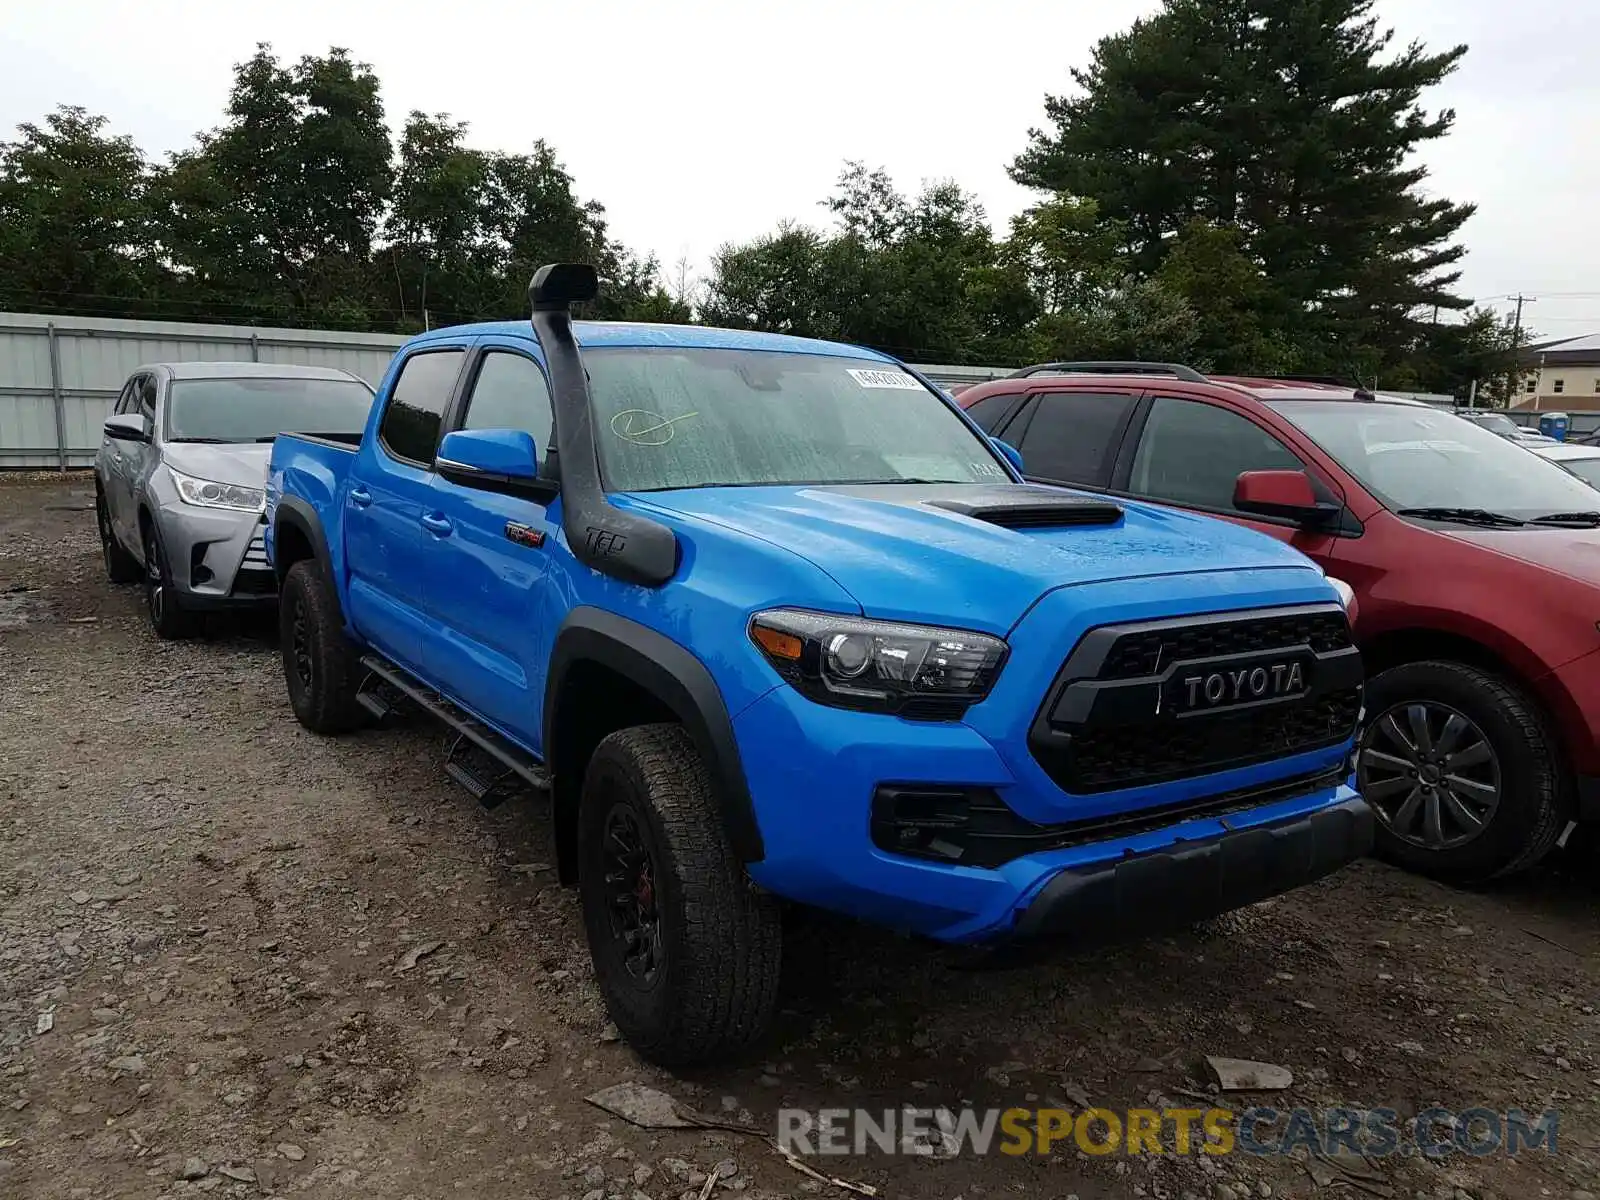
254 583
1120 756
1149 650
1109 721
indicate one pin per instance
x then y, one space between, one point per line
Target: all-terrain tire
320 666
715 992
121 567
1532 808
168 618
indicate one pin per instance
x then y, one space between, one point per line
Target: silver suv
1507 428
178 479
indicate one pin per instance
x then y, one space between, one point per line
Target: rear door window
410 426
1072 437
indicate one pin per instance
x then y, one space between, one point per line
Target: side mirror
128 427
1009 452
1281 494
496 460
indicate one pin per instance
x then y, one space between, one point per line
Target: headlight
1347 594
207 494
882 666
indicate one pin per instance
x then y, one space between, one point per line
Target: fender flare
297 514
681 682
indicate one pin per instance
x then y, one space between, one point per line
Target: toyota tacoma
770 619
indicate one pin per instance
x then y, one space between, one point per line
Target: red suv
1475 564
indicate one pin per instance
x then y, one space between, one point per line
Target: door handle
360 497
438 526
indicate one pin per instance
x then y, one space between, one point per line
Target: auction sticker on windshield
886 379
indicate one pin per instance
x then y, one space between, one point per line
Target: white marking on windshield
898 380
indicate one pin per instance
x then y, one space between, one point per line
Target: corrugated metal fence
59 376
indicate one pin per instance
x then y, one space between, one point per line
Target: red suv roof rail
1176 370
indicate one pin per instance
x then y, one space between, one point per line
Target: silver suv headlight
921 671
206 493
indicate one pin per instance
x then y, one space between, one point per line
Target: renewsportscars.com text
1375 1132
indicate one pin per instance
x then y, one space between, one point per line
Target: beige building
1562 376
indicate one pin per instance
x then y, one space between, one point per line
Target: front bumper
1192 881
217 557
817 777
815 811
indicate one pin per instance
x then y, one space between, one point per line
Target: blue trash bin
1553 425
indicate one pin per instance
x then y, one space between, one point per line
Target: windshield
258 408
1422 458
685 418
1586 469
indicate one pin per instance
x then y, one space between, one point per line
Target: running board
472 736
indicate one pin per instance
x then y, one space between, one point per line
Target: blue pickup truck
770 619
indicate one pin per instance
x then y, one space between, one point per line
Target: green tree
780 282
1236 311
75 230
900 269
1290 122
1068 254
277 208
1481 348
922 277
532 215
1088 307
434 251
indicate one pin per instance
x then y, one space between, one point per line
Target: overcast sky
700 121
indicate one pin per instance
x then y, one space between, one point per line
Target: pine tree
1290 122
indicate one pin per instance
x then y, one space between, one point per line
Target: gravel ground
239 959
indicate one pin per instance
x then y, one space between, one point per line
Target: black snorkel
621 544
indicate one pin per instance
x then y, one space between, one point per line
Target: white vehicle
1507 428
1582 461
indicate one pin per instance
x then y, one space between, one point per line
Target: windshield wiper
204 441
1463 516
1581 519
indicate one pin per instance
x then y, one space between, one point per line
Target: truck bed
339 441
310 471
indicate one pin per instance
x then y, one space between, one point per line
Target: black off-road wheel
320 666
121 567
685 948
1461 771
168 618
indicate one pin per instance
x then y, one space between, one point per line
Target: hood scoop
1035 510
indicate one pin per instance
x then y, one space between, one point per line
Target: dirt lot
206 914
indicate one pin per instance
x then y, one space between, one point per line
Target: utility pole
1516 329
1516 347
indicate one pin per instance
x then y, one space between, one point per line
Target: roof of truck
595 334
